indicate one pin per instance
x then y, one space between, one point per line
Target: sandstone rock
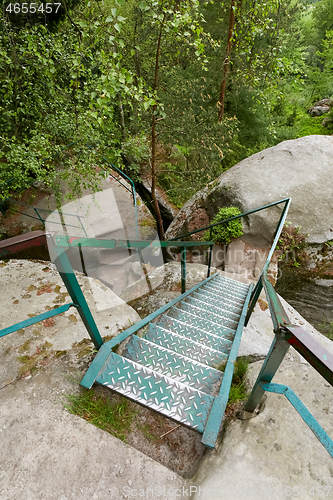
321 107
34 287
318 110
300 169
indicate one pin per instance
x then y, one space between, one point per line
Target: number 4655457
32 8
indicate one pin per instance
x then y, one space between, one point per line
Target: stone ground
50 453
61 345
274 455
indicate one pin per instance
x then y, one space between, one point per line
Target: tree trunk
226 63
159 220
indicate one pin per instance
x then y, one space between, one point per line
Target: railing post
271 364
210 251
66 272
82 260
39 216
254 297
183 268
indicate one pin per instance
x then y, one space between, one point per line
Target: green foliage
100 411
327 329
238 389
291 246
62 85
225 233
136 150
87 77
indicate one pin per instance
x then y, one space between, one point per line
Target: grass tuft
112 417
238 389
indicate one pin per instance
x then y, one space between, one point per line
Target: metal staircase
179 360
181 365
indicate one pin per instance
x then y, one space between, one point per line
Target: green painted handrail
67 241
302 410
35 319
243 214
263 276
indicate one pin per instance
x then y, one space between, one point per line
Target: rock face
301 169
321 107
34 287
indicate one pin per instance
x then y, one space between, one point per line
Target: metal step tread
174 365
172 369
185 346
218 300
204 314
226 280
208 325
224 312
222 290
150 388
193 333
223 294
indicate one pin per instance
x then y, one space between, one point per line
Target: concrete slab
49 453
30 288
275 455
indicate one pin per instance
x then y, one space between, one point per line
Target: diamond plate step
212 298
150 388
218 297
185 346
227 279
224 285
204 314
205 324
196 334
234 295
172 369
222 310
171 364
230 281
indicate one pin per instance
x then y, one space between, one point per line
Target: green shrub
291 246
225 233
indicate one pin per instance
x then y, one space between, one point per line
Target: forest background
171 91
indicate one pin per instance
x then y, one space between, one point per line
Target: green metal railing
61 243
66 242
58 248
286 334
263 276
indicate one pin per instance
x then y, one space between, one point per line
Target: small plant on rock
291 246
224 233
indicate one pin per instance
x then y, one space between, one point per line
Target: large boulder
301 169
